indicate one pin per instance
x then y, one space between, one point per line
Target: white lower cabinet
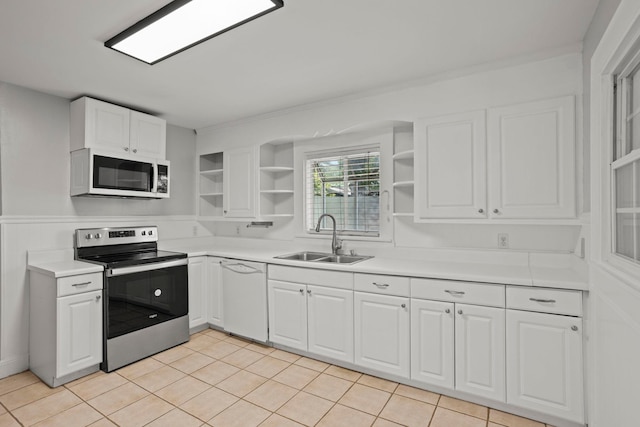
215 314
197 291
314 318
65 331
544 363
205 292
287 314
480 347
458 346
381 331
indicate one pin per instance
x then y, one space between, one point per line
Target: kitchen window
347 186
625 165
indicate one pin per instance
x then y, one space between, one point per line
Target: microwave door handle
154 178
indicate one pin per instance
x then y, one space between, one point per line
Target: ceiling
308 51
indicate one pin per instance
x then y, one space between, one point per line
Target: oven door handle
111 272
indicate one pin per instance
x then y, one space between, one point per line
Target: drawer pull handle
548 301
81 284
381 285
454 293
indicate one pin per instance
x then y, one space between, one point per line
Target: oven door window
121 174
138 300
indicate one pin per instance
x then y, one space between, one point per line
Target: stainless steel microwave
102 173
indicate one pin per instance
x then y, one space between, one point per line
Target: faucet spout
335 243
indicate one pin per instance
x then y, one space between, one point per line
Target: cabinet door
432 345
79 332
480 348
381 329
544 363
532 160
330 322
148 135
288 314
239 183
197 291
450 162
107 126
214 292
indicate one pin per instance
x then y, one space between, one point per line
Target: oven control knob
98 236
88 236
150 232
144 233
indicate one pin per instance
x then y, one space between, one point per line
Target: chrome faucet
336 244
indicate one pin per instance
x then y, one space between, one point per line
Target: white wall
480 88
613 315
38 213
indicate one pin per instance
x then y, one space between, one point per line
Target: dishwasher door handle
243 268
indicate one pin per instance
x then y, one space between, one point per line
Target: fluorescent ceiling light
185 23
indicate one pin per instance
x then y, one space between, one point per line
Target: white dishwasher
244 297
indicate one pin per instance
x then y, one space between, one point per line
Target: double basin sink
324 257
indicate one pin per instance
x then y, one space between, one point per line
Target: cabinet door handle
301 291
542 300
135 150
495 211
381 285
309 291
459 311
454 293
403 305
481 210
447 311
126 148
81 284
574 328
98 297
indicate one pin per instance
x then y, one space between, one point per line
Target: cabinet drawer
310 276
463 292
379 284
558 301
78 284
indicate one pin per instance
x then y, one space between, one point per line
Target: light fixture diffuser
185 23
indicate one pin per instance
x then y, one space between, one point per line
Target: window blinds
346 186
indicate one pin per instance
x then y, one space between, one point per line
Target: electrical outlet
503 240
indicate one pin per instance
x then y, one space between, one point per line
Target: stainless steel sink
344 259
304 256
324 257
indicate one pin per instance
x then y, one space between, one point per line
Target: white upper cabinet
531 160
518 162
98 124
239 183
148 135
450 169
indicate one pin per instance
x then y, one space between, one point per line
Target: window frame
380 137
617 102
309 189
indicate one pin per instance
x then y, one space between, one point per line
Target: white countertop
522 269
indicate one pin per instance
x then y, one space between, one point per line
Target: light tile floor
222 381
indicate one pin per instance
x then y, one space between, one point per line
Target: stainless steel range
146 297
